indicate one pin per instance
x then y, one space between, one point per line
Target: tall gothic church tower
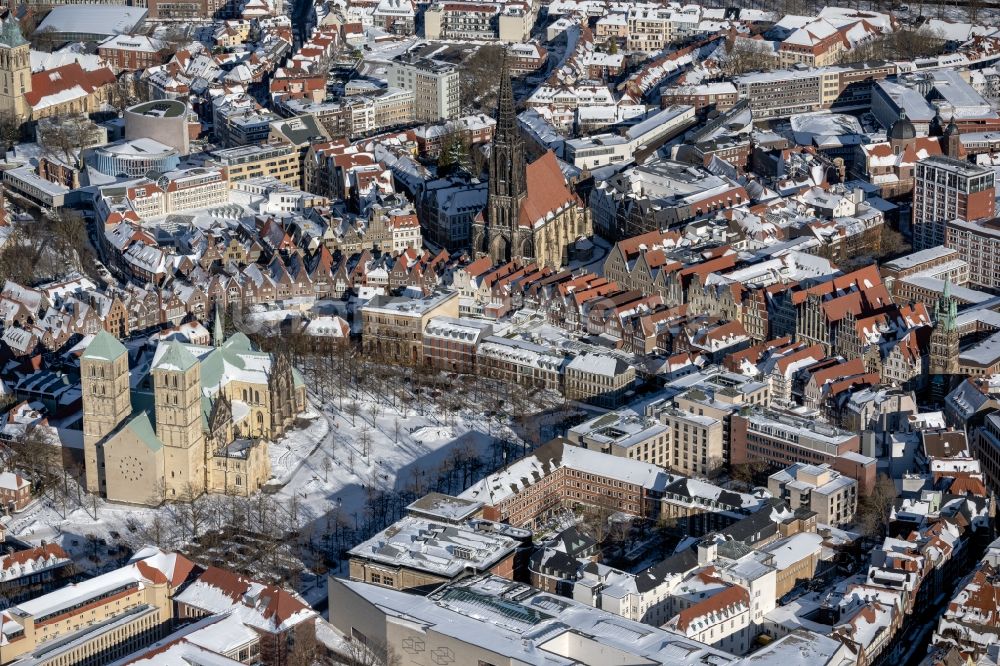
106 404
499 234
943 361
15 71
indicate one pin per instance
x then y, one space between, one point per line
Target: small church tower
952 141
177 389
281 387
943 361
105 381
15 71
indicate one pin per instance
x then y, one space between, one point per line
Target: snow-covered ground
327 467
331 473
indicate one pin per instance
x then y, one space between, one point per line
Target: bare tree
370 653
597 521
19 257
303 651
35 456
903 44
192 510
158 492
365 439
10 130
68 237
156 531
352 410
747 55
63 138
478 84
892 242
873 508
748 473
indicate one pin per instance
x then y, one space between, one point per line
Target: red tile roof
65 78
732 596
547 190
24 556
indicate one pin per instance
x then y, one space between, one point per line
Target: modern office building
977 242
782 440
818 488
947 189
434 85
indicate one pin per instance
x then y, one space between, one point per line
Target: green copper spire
946 311
218 331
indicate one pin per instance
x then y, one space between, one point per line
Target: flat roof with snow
92 19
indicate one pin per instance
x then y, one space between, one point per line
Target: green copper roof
176 358
10 34
143 429
104 347
214 365
238 342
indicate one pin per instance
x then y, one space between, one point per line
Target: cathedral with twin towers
184 419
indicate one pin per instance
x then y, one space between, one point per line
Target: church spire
507 167
946 312
506 115
499 234
218 330
944 344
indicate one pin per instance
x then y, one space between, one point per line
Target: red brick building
133 52
703 97
450 343
559 473
15 491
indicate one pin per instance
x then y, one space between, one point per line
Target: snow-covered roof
262 607
529 470
598 364
441 549
531 627
150 566
792 550
93 19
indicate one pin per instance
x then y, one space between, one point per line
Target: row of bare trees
902 44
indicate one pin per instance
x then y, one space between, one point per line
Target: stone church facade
531 214
189 419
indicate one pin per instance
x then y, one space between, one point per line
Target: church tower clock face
131 468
